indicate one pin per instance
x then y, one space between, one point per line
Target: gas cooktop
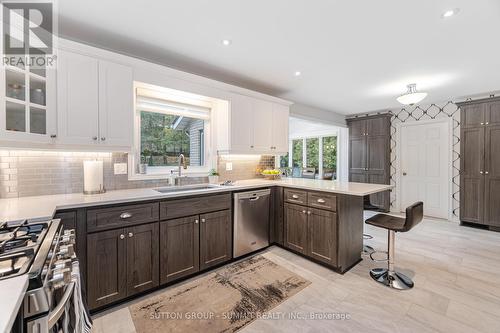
19 243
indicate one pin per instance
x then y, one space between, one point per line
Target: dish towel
83 322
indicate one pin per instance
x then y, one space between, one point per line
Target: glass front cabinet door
28 104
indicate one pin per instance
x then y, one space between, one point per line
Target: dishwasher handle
254 199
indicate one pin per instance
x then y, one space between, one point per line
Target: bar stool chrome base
367 250
391 279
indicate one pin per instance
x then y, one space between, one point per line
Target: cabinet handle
125 215
308 212
486 172
251 146
103 138
53 136
482 124
303 212
196 221
487 123
130 235
94 138
321 200
295 196
122 236
480 172
203 221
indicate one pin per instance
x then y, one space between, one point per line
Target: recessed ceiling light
297 73
450 12
226 42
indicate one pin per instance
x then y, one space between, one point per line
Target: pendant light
411 96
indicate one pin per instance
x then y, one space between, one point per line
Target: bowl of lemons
271 174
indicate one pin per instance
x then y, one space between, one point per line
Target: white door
241 123
77 98
424 167
116 109
280 128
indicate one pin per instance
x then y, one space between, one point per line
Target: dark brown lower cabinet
322 240
106 267
296 228
142 258
215 238
179 248
312 232
121 263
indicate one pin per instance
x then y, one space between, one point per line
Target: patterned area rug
222 301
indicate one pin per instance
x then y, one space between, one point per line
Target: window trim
161 172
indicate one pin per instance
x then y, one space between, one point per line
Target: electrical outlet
120 168
229 166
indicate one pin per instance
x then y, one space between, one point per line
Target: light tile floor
456 271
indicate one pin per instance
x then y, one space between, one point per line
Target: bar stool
388 276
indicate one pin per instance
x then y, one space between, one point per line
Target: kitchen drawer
322 200
120 216
294 196
192 206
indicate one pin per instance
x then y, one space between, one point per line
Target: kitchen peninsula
320 220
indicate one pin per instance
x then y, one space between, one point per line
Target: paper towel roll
93 177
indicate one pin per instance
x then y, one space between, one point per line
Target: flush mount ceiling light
297 73
411 96
450 12
226 42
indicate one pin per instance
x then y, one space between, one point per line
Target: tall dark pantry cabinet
480 162
369 154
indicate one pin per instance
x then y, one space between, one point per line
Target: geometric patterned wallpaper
429 112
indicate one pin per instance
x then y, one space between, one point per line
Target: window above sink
169 123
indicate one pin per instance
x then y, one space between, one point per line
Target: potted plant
213 176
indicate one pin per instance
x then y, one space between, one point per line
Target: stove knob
68 239
69 232
62 263
66 251
60 277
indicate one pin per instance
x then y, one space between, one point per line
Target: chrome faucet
182 161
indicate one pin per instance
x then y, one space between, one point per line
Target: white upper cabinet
77 98
95 101
280 117
116 115
241 123
27 104
262 125
256 126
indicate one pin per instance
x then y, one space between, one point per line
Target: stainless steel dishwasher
251 221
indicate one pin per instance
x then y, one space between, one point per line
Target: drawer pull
321 200
295 196
130 235
125 215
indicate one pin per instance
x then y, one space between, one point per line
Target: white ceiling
354 55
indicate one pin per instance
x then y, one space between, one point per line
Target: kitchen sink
174 189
